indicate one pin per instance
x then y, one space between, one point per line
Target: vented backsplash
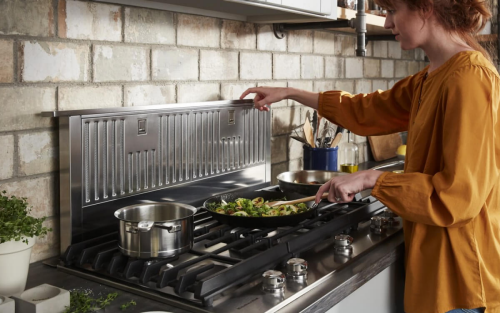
130 154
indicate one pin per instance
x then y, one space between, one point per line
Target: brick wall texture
67 55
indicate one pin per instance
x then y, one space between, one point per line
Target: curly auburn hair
463 17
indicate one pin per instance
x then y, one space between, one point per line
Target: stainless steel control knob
343 244
378 225
273 281
296 268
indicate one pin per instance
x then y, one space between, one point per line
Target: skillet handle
324 196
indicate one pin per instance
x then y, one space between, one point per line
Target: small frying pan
259 222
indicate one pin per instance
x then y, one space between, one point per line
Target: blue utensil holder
320 158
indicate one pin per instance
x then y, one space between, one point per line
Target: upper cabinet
263 11
256 11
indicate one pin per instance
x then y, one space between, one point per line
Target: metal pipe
317 25
361 29
380 38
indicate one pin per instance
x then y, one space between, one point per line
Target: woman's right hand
265 96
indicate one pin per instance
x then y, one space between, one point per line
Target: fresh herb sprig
15 221
125 306
83 302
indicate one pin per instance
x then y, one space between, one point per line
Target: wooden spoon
308 132
278 203
336 140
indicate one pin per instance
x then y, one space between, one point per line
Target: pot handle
170 228
145 226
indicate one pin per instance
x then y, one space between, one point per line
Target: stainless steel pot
156 230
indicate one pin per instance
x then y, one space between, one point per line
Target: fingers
247 92
324 188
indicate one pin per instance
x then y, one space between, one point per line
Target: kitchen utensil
156 230
315 125
305 183
336 140
290 202
259 222
300 139
384 147
308 132
328 132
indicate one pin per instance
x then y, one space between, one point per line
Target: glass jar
349 155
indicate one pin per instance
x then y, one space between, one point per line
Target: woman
449 195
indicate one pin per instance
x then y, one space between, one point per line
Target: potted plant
18 232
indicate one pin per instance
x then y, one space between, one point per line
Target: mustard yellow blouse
449 195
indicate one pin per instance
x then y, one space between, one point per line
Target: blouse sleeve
469 167
377 113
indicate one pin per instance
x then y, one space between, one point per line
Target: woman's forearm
307 98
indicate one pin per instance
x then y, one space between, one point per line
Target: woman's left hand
344 188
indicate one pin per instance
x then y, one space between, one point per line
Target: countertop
349 279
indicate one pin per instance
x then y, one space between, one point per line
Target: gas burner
273 281
390 216
296 269
343 245
378 225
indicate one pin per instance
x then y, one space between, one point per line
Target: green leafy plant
83 302
15 221
125 306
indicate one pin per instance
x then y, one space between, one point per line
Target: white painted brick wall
286 66
372 68
354 67
21 107
149 95
312 67
322 86
89 20
279 149
413 67
345 85
379 84
149 26
300 41
277 169
334 67
401 69
238 35
17 17
345 45
6 61
266 40
387 68
38 190
38 153
120 63
198 92
233 91
252 70
394 51
380 49
284 120
324 43
363 86
218 65
54 62
175 64
89 97
7 156
295 149
199 31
